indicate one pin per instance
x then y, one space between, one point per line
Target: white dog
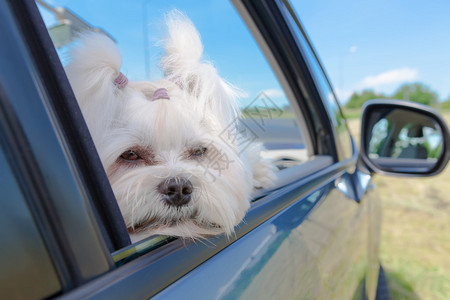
171 149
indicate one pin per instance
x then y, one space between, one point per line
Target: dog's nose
176 191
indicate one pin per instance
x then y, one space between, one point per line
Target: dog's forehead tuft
162 124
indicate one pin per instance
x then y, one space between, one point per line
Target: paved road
275 133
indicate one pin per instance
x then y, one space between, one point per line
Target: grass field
415 249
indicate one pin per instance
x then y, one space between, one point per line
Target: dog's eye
198 152
130 155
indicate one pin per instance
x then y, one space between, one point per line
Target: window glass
326 91
27 271
266 115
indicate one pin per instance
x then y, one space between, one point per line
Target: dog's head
169 148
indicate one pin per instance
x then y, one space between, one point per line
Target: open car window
267 114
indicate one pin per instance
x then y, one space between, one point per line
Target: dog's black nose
176 191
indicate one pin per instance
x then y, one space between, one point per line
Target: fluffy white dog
171 149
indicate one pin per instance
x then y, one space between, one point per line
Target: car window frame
292 70
311 59
287 63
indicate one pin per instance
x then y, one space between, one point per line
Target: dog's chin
186 228
154 223
184 221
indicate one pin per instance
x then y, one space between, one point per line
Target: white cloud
274 93
395 76
385 82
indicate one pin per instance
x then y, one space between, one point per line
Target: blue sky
381 44
362 44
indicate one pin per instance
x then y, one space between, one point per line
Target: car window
344 142
266 113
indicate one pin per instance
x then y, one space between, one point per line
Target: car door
305 238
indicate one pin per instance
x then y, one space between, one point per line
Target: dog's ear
94 74
182 65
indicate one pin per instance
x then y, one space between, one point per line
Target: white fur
202 111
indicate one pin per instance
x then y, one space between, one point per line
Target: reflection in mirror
404 135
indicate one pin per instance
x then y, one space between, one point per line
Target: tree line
416 92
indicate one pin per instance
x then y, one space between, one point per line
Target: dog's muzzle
176 191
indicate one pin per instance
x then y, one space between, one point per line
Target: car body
316 236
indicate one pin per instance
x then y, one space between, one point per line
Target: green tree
417 92
358 99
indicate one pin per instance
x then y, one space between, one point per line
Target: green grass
354 113
399 288
274 113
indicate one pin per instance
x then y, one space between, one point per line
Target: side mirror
403 138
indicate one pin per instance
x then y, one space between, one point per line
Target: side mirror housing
403 138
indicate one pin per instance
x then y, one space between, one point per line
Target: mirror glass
401 139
